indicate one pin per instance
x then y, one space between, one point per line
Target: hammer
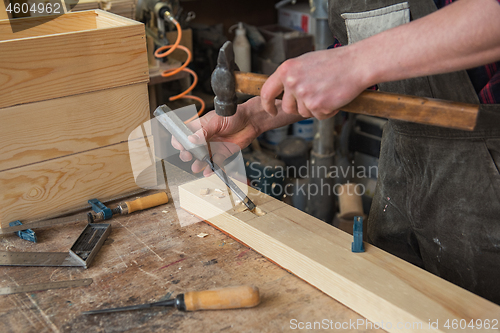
227 81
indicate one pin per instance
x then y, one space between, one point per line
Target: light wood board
61 61
65 184
377 285
50 129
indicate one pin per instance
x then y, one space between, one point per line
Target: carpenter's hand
315 84
227 135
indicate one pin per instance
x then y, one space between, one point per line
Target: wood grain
65 184
375 284
49 129
68 63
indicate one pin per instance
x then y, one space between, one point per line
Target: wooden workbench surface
149 257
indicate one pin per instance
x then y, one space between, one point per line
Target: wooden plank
377 285
50 129
65 184
70 63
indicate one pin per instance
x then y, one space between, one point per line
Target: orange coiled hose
167 50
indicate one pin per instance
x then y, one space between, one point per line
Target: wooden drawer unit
73 89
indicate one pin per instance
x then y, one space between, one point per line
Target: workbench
149 257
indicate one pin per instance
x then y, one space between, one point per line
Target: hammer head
224 83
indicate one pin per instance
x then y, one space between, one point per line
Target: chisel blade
229 183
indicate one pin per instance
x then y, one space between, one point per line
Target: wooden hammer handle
420 110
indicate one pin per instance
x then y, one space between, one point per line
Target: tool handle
225 298
420 110
249 83
180 131
149 201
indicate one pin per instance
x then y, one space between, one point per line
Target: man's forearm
462 35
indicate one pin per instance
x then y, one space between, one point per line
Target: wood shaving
204 191
240 207
202 235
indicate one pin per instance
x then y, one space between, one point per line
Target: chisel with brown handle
226 82
128 207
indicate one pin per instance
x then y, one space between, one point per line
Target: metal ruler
81 253
45 286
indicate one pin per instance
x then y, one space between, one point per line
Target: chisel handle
220 299
180 131
149 201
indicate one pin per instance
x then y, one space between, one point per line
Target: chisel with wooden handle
217 299
128 207
149 201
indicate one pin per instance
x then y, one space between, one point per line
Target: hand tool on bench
217 299
181 132
81 253
227 81
102 213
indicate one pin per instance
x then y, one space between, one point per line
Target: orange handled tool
128 207
217 299
152 200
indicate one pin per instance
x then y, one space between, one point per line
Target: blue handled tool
357 231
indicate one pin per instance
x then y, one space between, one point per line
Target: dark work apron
437 202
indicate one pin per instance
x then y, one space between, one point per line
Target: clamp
27 234
103 212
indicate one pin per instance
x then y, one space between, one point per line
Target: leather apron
437 201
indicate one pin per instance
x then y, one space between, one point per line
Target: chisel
181 132
217 299
125 208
